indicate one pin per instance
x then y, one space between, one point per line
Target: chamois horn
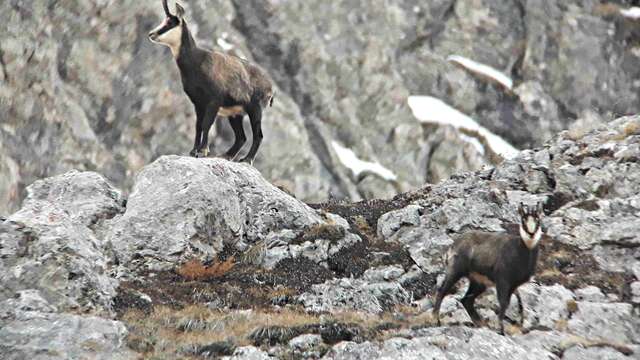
166 8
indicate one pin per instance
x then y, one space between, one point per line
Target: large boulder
182 207
53 242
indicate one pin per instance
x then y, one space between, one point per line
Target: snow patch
473 141
482 69
432 110
349 159
631 13
224 44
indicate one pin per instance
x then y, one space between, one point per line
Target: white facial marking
530 241
170 38
531 224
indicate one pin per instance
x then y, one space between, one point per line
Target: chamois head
530 224
169 32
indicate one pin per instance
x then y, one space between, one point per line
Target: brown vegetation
195 270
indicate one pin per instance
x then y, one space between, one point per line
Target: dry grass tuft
606 10
195 270
326 231
170 333
631 128
572 306
183 333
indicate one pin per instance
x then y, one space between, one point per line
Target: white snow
349 159
432 110
482 69
473 141
631 13
224 44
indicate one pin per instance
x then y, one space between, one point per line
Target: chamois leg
255 115
450 280
520 308
198 137
240 137
504 295
207 121
475 289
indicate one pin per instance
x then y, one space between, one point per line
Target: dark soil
572 268
332 333
371 210
243 287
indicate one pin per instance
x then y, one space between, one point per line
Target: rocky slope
82 88
205 258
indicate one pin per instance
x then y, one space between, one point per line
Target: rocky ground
206 259
81 87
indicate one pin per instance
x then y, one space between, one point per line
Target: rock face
78 97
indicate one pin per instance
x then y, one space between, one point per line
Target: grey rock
613 322
590 293
354 294
615 258
279 247
392 221
50 243
182 208
543 305
442 343
30 329
635 292
10 182
248 353
305 342
386 273
594 353
349 350
86 197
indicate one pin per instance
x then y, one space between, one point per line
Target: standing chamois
501 259
217 84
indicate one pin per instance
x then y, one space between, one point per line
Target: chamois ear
540 209
179 11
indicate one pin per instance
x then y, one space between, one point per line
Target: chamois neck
529 240
187 46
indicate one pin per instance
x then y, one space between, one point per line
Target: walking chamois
499 259
217 84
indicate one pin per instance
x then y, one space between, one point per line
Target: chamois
501 259
217 84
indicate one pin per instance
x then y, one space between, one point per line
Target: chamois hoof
193 153
228 157
247 160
